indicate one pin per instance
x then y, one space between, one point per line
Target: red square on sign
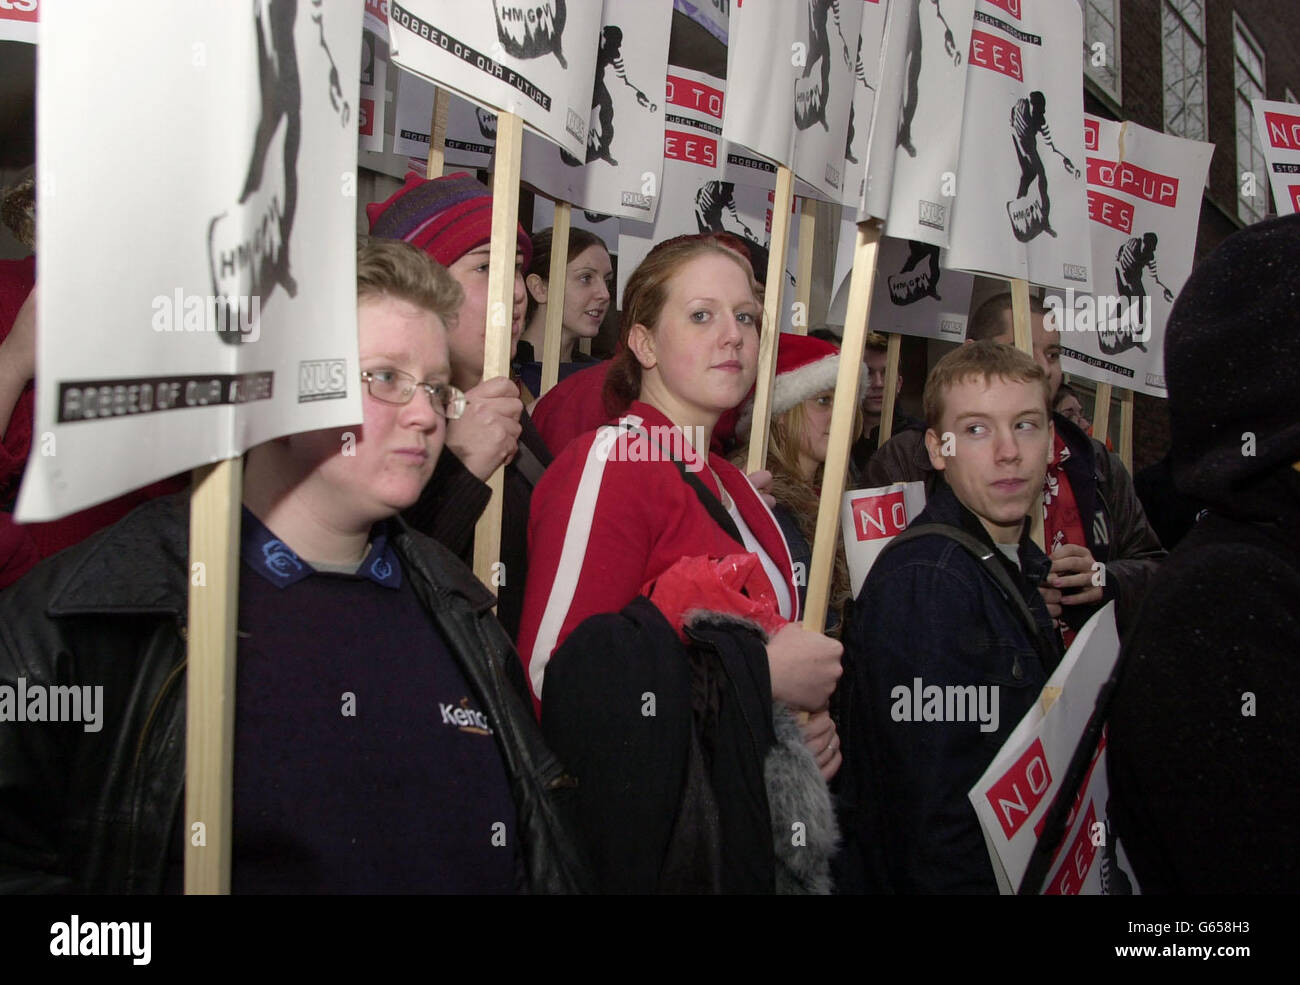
1295 197
367 117
1091 134
1020 789
1078 861
879 516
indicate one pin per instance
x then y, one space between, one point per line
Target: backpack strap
988 560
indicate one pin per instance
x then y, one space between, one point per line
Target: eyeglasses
392 386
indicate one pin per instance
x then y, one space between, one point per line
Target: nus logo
322 379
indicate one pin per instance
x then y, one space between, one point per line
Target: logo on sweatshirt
465 718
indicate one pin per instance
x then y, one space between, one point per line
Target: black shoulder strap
988 560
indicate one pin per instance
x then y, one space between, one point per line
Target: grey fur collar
804 831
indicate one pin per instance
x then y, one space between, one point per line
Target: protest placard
1021 209
229 317
622 167
932 81
1013 796
1144 207
1278 125
871 518
535 58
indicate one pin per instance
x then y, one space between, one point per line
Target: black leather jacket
95 811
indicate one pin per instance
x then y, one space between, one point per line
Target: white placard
535 58
928 137
1013 796
915 294
1022 208
624 160
790 86
374 92
708 184
871 518
1278 126
866 77
882 137
1144 202
471 137
824 91
18 20
761 78
252 202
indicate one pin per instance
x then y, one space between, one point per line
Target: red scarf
1061 521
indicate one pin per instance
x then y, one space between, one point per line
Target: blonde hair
394 269
984 360
801 497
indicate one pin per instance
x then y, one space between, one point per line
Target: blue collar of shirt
276 561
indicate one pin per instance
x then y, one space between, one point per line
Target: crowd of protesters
633 705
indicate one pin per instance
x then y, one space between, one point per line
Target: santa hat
446 217
805 367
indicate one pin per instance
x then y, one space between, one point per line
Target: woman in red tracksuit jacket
613 512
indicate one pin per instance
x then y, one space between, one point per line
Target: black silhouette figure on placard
715 211
1133 329
255 262
595 216
601 133
812 91
1031 215
910 284
860 77
911 90
530 28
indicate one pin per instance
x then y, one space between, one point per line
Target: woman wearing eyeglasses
450 218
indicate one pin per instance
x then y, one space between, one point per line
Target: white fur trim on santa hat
796 386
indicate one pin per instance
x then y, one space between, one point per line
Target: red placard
1295 197
1021 789
1162 189
1074 870
880 516
18 10
1283 130
694 147
693 95
1110 211
999 54
1091 134
1012 7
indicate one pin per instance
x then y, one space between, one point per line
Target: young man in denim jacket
941 662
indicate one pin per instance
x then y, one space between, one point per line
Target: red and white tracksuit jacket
612 513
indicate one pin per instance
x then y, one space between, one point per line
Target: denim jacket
930 615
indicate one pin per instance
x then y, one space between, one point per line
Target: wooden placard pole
886 429
210 674
438 133
835 473
1025 343
557 281
782 203
803 274
1101 413
496 337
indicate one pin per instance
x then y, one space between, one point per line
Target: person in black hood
1203 743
